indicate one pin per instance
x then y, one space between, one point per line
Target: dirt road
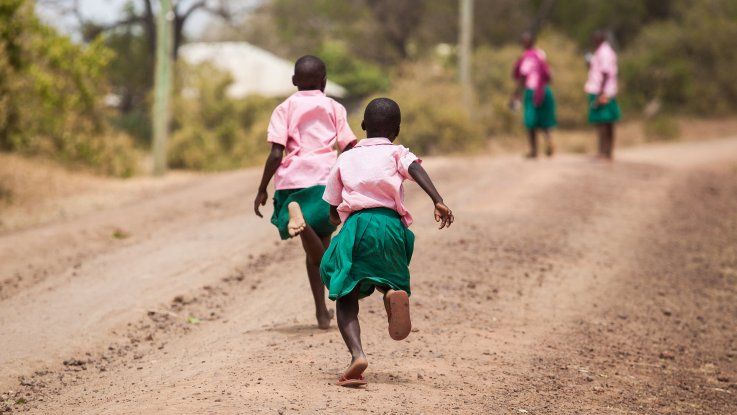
566 286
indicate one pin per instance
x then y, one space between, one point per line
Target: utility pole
162 85
464 52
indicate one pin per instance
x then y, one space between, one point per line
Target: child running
374 247
307 125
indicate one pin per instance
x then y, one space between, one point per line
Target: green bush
51 91
434 120
686 63
358 77
662 127
212 131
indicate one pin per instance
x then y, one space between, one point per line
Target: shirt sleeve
334 187
278 131
345 135
404 159
608 63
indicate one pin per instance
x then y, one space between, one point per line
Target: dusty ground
566 286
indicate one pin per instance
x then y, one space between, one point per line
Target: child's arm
443 214
272 164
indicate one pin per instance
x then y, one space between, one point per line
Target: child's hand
261 197
443 215
603 99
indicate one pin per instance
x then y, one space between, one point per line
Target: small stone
667 312
667 355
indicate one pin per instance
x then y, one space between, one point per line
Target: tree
142 13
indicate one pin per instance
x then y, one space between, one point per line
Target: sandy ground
567 286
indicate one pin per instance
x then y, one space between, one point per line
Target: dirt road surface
567 286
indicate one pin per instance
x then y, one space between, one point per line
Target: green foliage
213 131
359 77
662 127
433 118
51 90
688 63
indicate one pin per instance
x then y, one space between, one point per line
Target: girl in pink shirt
374 246
303 132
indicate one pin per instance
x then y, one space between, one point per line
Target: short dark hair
309 71
382 115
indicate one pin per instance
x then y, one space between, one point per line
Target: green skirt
315 210
603 114
542 116
372 249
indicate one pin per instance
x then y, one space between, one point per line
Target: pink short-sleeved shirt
308 124
531 70
603 62
369 176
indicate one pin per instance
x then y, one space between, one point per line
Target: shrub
661 127
434 120
212 131
686 63
51 91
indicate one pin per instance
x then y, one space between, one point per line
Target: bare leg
314 249
549 145
350 329
602 134
532 137
610 141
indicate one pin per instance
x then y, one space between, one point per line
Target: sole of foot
296 220
397 310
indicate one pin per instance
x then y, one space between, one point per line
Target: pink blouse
370 175
603 62
308 124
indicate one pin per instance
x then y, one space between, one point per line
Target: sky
107 11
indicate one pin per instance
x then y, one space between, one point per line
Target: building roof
254 70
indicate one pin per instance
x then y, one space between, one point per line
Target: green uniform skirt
542 116
315 210
603 114
373 248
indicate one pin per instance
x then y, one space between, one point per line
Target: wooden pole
162 86
464 52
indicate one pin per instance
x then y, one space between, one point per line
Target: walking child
303 132
601 87
532 74
374 247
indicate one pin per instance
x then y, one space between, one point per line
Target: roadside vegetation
676 60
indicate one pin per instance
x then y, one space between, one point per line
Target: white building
254 70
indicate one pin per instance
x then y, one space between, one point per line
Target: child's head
382 118
309 73
527 39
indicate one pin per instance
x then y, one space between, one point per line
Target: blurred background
77 76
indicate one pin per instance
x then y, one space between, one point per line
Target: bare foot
323 319
397 312
353 376
550 148
296 221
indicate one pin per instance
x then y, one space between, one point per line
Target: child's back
308 124
371 176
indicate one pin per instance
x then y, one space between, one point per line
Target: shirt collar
373 141
309 93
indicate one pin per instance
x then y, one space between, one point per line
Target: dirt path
566 286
